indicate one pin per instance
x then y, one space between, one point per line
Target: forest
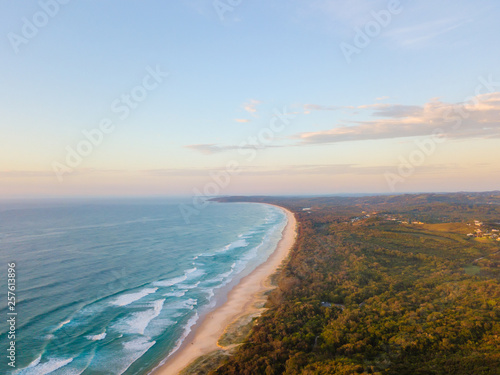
382 285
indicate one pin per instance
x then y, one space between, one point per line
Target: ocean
114 286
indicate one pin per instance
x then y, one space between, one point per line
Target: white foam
136 348
78 365
137 322
69 371
187 330
91 309
120 362
176 280
62 324
175 308
233 245
127 299
248 234
138 344
170 282
35 362
240 242
187 304
101 336
179 293
44 368
222 276
159 325
194 273
189 286
210 293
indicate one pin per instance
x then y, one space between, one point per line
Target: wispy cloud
25 174
419 34
50 173
212 148
308 108
242 120
251 106
396 110
439 19
250 170
313 169
293 170
352 13
482 120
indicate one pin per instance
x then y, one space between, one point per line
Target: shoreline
241 301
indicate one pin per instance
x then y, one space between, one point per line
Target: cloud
242 120
294 170
251 106
173 172
26 174
478 118
313 169
308 108
376 106
397 110
424 32
51 174
353 13
210 148
317 107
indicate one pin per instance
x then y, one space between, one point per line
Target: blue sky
353 122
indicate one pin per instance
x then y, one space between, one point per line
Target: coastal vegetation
382 285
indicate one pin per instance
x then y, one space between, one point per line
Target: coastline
242 300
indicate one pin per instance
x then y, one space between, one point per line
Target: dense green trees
404 300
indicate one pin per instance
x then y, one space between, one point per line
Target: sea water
114 287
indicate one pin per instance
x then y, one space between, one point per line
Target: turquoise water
113 287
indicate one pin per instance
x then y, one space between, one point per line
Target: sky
224 97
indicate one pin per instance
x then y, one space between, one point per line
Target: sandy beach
242 300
